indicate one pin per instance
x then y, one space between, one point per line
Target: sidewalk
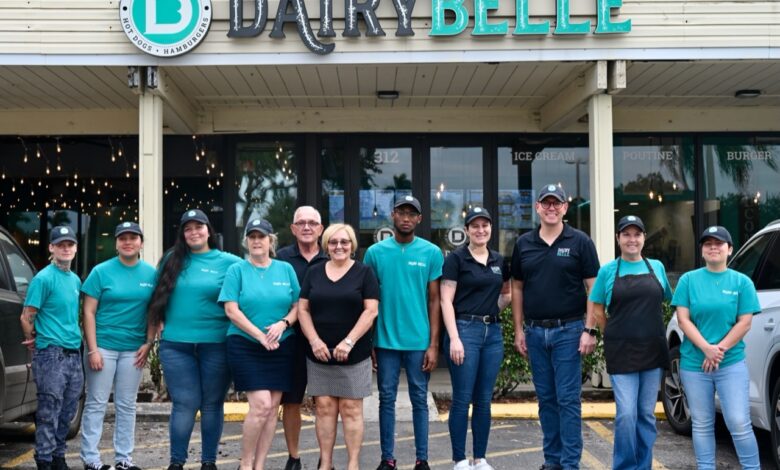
597 404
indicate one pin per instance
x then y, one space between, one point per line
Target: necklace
260 269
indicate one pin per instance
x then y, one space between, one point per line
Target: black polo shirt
479 285
553 275
292 255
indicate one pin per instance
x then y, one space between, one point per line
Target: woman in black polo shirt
474 290
337 307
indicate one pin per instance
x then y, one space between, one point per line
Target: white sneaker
481 464
462 465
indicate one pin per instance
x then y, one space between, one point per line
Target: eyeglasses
547 204
407 214
342 242
304 223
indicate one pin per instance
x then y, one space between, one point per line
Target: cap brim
64 239
479 216
256 229
406 203
117 234
555 195
631 224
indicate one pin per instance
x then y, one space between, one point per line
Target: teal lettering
439 26
481 25
605 24
563 25
524 26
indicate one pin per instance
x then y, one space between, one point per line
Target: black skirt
255 368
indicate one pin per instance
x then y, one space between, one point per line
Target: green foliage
155 368
515 368
593 362
668 312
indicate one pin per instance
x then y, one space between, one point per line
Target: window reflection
267 184
741 190
654 180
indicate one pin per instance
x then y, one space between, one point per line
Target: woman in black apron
632 289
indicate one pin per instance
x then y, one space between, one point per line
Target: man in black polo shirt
304 253
551 267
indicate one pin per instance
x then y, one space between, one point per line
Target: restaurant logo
165 28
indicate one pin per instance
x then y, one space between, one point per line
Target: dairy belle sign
167 28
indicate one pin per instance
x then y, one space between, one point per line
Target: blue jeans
556 369
198 378
120 374
473 382
731 383
388 371
636 394
59 379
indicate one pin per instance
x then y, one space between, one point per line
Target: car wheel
774 422
673 396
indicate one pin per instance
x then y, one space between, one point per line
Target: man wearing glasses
304 253
407 328
552 267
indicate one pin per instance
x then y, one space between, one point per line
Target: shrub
514 368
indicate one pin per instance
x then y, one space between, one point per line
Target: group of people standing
312 318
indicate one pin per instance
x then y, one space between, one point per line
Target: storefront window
654 180
530 162
332 158
456 187
385 174
741 177
267 185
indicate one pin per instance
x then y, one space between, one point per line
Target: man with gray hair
304 253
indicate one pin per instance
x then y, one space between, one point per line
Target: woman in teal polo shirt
715 306
261 299
192 346
118 337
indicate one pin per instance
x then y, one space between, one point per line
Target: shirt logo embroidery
279 283
145 284
564 252
210 271
420 264
496 269
729 292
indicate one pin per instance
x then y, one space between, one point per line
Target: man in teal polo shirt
50 322
407 328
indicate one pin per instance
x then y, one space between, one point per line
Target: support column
150 174
602 196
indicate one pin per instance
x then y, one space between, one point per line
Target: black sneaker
421 465
96 466
386 465
208 466
59 463
124 465
41 465
292 463
176 466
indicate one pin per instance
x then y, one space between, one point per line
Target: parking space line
608 436
491 455
590 461
15 462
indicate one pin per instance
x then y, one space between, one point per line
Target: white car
759 259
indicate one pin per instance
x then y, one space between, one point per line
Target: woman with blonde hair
338 305
260 296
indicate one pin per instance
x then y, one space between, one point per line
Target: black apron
635 337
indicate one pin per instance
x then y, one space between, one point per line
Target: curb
237 411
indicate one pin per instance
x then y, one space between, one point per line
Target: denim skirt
255 368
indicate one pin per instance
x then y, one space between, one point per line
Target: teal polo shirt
193 314
404 271
122 293
602 288
264 295
715 301
55 294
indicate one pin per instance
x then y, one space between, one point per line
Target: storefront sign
167 28
750 155
519 156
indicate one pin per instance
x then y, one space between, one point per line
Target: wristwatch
286 322
349 342
591 331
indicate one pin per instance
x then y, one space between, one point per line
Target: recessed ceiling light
747 93
387 94
633 203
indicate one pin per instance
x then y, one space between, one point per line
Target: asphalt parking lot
514 444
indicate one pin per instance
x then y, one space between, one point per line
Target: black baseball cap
408 201
196 215
62 233
476 213
258 225
552 190
717 232
128 227
628 221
